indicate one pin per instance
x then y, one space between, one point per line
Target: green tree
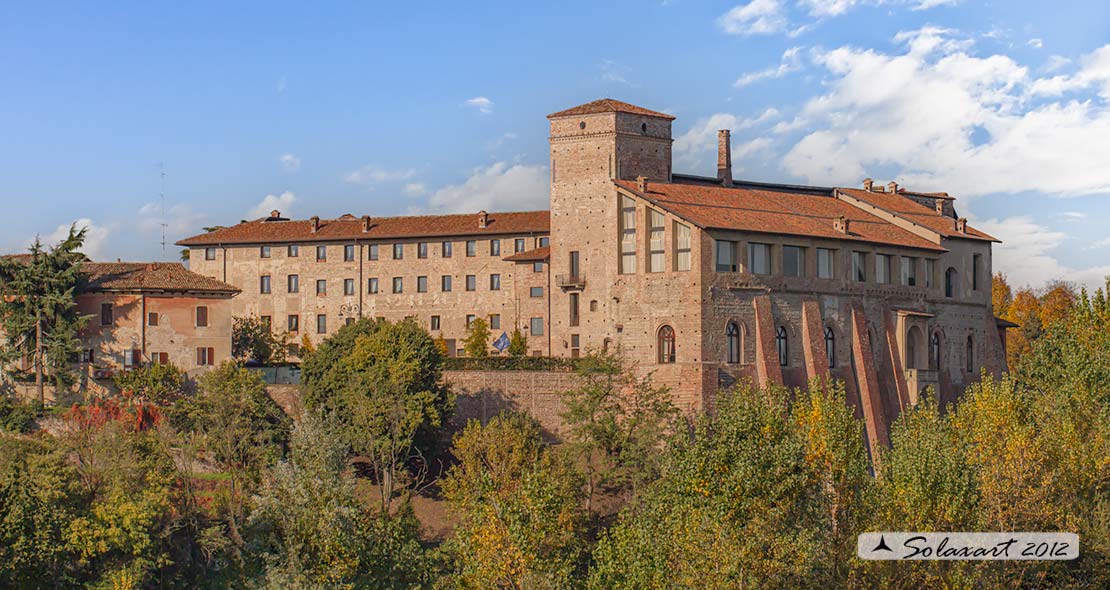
518 343
518 503
616 425
38 312
155 383
476 343
253 339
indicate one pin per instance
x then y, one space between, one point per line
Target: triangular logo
882 545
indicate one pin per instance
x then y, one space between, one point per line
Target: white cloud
949 120
788 126
1055 62
498 187
372 174
1094 71
1035 43
96 238
690 147
483 104
790 62
1103 243
290 162
612 71
758 17
178 219
1025 254
414 189
1071 216
283 202
927 4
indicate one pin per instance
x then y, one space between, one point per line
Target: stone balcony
577 281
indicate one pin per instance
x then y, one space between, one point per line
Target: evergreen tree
518 343
476 343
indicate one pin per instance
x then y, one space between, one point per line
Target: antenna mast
162 198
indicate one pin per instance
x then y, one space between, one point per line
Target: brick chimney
840 224
365 223
892 186
315 219
939 205
724 157
961 225
867 183
641 183
275 214
483 219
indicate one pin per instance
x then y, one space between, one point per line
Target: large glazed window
732 336
681 246
666 345
759 258
628 235
656 244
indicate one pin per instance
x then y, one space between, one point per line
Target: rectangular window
445 283
471 282
209 253
518 245
348 252
656 241
372 285
107 317
574 309
433 324
536 292
495 247
575 343
321 323
264 284
293 283
398 285
535 326
205 356
321 287
421 284
373 252
882 268
495 282
447 249
264 252
726 256
321 253
398 251
759 258
160 358
470 319
826 263
202 316
793 261
574 269
422 250
930 269
471 248
348 286
545 241
152 319
859 267
495 321
682 246
908 271
537 267
292 250
293 323
976 262
628 235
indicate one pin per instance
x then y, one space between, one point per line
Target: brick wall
483 394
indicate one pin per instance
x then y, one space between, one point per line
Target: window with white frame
656 243
628 235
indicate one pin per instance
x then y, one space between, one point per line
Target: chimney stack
315 219
867 184
641 183
892 186
939 204
724 157
365 223
275 214
961 225
840 224
483 219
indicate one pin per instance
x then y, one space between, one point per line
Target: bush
158 384
510 363
16 415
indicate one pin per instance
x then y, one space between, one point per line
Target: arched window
732 336
950 279
913 348
830 347
784 349
970 354
934 351
666 344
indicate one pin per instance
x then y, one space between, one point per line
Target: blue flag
501 343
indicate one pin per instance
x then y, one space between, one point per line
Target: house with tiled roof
703 281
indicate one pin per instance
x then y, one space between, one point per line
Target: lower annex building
703 280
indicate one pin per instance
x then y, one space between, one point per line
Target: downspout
142 326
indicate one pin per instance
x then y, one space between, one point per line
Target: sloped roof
149 276
608 105
348 227
775 212
911 210
534 255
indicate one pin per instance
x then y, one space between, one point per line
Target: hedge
510 363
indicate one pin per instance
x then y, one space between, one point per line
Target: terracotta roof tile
775 212
535 255
149 276
608 105
261 231
916 212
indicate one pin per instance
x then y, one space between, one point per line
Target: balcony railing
576 281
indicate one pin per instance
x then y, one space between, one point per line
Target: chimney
724 157
152 266
483 219
641 184
315 219
867 183
939 205
365 223
961 225
275 214
840 224
892 186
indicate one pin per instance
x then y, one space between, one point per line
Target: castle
702 280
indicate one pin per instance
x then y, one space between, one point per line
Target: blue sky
394 109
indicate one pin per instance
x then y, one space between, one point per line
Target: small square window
434 323
518 245
321 287
495 321
535 326
422 250
209 253
495 247
321 253
372 285
398 251
348 286
152 319
447 247
535 292
373 252
445 283
398 285
264 252
495 282
293 323
292 250
264 284
471 282
421 284
293 283
537 267
471 248
348 252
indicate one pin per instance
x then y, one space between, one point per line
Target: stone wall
483 394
